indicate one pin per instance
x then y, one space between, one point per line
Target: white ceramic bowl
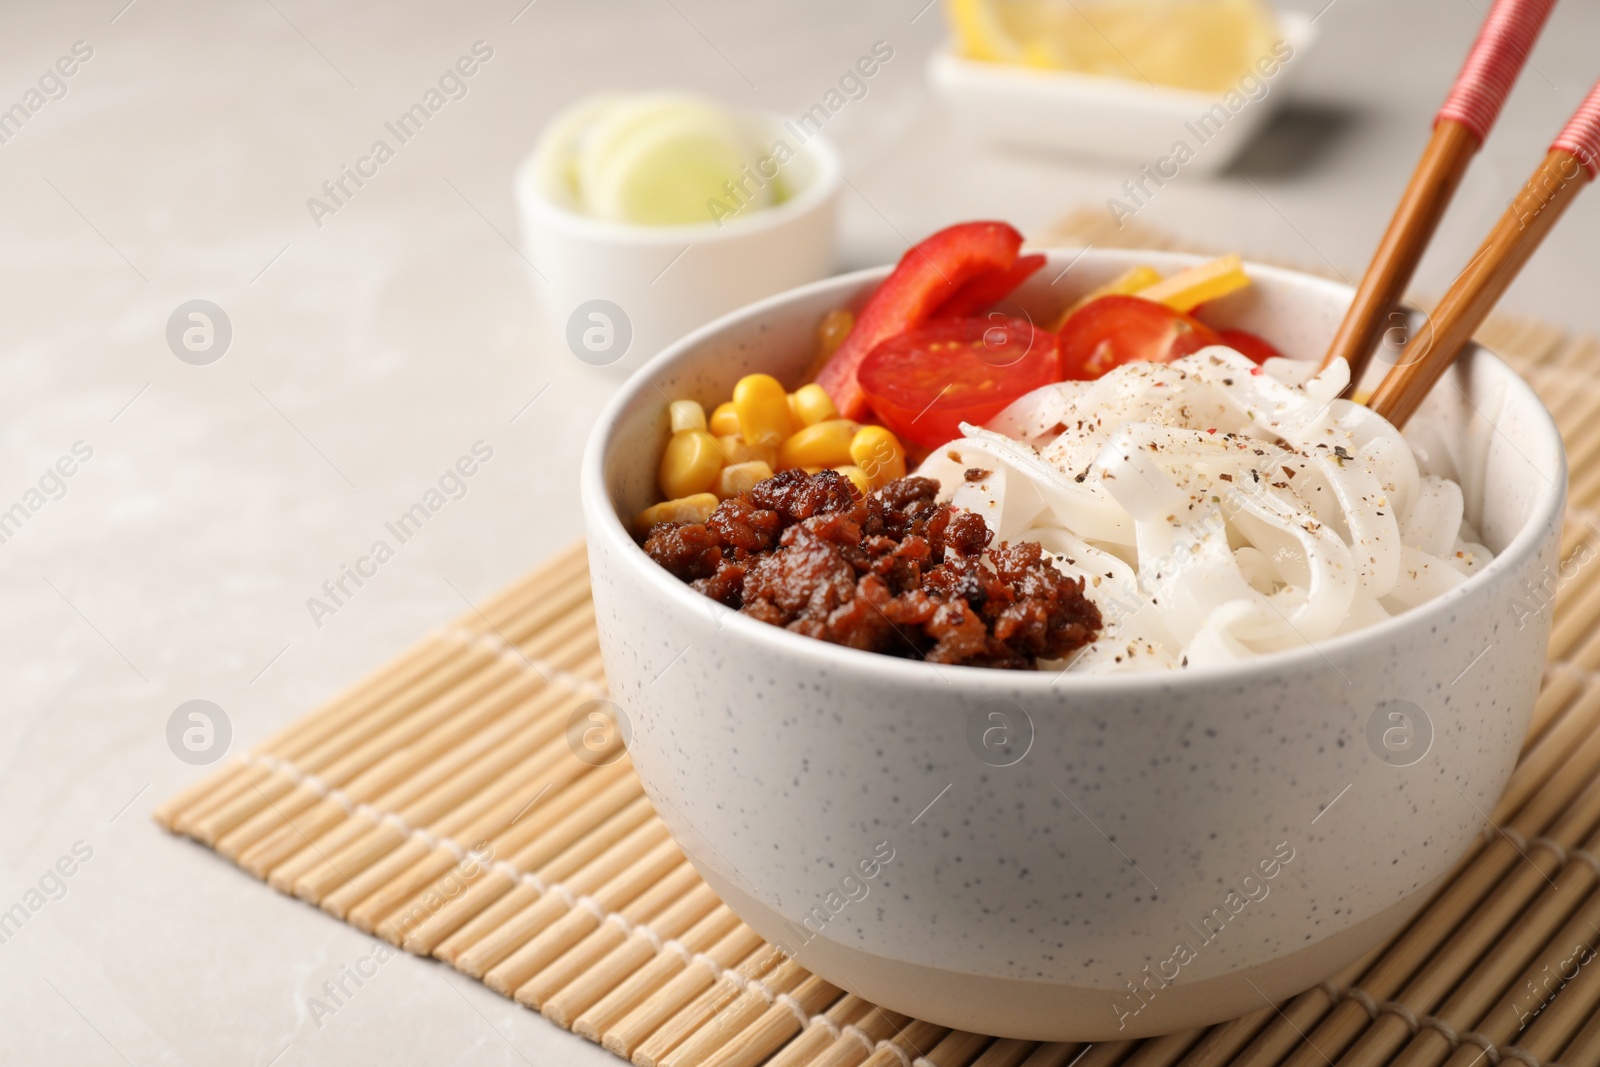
1116 120
1270 817
663 281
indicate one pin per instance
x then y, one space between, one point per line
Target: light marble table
368 353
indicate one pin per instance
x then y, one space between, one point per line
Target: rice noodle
1217 510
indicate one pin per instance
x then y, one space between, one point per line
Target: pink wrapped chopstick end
1581 136
1492 66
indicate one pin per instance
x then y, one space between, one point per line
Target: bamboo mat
439 804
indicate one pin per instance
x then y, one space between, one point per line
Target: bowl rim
824 186
602 520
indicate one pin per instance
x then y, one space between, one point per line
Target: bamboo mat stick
1489 927
852 1048
680 991
1107 1054
1504 1025
562 794
383 888
1166 1050
1251 1032
482 958
663 967
1341 1027
1563 685
610 888
495 904
724 1009
577 845
604 976
910 1041
1053 1055
572 560
957 1049
605 935
1474 999
473 729
435 790
1568 731
1584 1049
1005 1052
848 1010
775 1026
306 733
1224 1041
397 679
442 692
397 922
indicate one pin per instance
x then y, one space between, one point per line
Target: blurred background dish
1194 117
645 216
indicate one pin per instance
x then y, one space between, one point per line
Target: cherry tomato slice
1258 348
927 276
926 382
1114 330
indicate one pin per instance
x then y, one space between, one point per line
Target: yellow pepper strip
696 508
1188 289
879 455
826 444
763 409
690 464
1125 284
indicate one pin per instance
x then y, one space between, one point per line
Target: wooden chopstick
1480 89
1572 162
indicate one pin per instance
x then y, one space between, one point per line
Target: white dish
616 294
1030 886
1116 120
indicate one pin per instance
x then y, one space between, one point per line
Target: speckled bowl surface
1065 857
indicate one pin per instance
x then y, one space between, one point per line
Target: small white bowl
1113 119
1028 899
618 294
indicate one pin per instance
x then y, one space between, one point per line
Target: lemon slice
661 160
1205 45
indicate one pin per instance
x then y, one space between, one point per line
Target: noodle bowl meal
1130 490
1239 616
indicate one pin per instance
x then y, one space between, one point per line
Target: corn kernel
690 464
736 450
763 409
739 477
696 508
724 420
879 455
857 476
826 444
811 404
686 415
836 326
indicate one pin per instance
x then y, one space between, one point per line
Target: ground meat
896 572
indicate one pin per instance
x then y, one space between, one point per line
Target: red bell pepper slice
928 276
987 290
